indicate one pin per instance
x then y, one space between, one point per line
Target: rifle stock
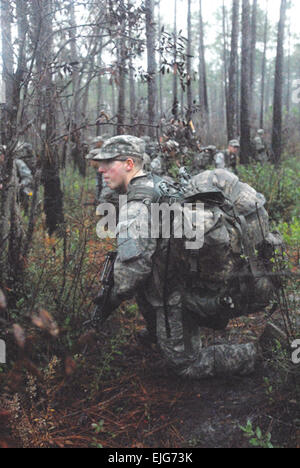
101 312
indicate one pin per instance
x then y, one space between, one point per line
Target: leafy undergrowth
120 394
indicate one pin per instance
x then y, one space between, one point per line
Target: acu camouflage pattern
261 155
118 146
203 160
141 270
23 176
231 234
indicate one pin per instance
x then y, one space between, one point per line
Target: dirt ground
136 402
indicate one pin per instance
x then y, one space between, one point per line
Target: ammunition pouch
210 312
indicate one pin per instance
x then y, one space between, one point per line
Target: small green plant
256 437
98 427
269 389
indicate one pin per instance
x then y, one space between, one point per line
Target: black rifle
101 312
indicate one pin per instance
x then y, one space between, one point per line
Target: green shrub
291 232
280 186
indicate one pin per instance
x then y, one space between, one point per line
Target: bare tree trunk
203 97
175 80
74 118
152 91
160 84
53 197
132 95
225 61
113 104
278 88
11 264
253 57
189 65
246 149
288 75
132 103
8 71
99 88
263 71
121 80
232 123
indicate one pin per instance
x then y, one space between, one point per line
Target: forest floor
133 401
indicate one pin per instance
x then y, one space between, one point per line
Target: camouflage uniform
227 158
158 166
143 269
25 152
25 176
261 155
203 160
21 181
219 160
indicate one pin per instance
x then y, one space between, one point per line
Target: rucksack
229 275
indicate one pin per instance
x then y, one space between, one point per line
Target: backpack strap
154 194
143 194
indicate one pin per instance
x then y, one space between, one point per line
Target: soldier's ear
129 164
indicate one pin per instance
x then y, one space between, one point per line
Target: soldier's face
116 174
233 149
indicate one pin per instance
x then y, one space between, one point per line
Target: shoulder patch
128 249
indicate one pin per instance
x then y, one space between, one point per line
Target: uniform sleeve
220 160
24 172
133 264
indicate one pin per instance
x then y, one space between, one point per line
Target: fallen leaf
3 303
46 322
19 335
70 365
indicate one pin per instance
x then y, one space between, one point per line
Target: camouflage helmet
260 131
212 148
92 153
97 142
234 143
127 145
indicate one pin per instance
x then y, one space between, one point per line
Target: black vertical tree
246 149
232 123
278 88
152 88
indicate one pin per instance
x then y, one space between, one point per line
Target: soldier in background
24 151
203 160
229 158
158 166
24 178
219 160
260 151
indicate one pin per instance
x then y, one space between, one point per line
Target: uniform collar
137 178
